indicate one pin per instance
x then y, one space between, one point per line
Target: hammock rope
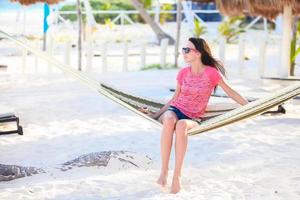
93 84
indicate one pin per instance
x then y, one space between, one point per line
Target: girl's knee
169 119
181 125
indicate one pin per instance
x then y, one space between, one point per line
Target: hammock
238 114
153 106
213 119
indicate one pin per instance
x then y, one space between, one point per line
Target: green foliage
294 50
297 52
71 17
166 16
118 5
109 5
158 66
230 28
298 27
152 66
103 5
199 28
147 3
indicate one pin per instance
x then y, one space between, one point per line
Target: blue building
207 17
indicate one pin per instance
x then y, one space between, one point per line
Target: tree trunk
160 34
286 41
79 16
178 20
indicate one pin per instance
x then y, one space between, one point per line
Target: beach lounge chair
289 78
9 124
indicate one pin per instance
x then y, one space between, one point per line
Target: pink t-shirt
195 90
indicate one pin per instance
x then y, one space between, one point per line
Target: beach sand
257 158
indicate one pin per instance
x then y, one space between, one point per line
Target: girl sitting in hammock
195 84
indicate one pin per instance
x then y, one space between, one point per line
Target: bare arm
165 107
232 93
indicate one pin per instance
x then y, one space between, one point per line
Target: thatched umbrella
266 8
29 2
269 9
231 8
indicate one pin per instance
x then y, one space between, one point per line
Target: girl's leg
169 120
182 126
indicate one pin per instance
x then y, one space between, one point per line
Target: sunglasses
186 50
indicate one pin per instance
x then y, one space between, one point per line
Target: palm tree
160 34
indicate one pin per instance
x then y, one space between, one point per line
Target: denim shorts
178 113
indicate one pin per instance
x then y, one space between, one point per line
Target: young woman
195 84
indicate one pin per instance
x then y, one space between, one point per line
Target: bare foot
175 188
162 180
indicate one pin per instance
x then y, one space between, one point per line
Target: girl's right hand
152 115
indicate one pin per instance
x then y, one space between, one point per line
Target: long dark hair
206 56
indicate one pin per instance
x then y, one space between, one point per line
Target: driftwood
103 159
111 159
10 172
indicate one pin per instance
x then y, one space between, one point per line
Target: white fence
64 52
105 54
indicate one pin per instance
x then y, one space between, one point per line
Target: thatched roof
266 8
29 2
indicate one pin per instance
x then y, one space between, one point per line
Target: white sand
254 159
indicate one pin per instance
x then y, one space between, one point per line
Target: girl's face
190 53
